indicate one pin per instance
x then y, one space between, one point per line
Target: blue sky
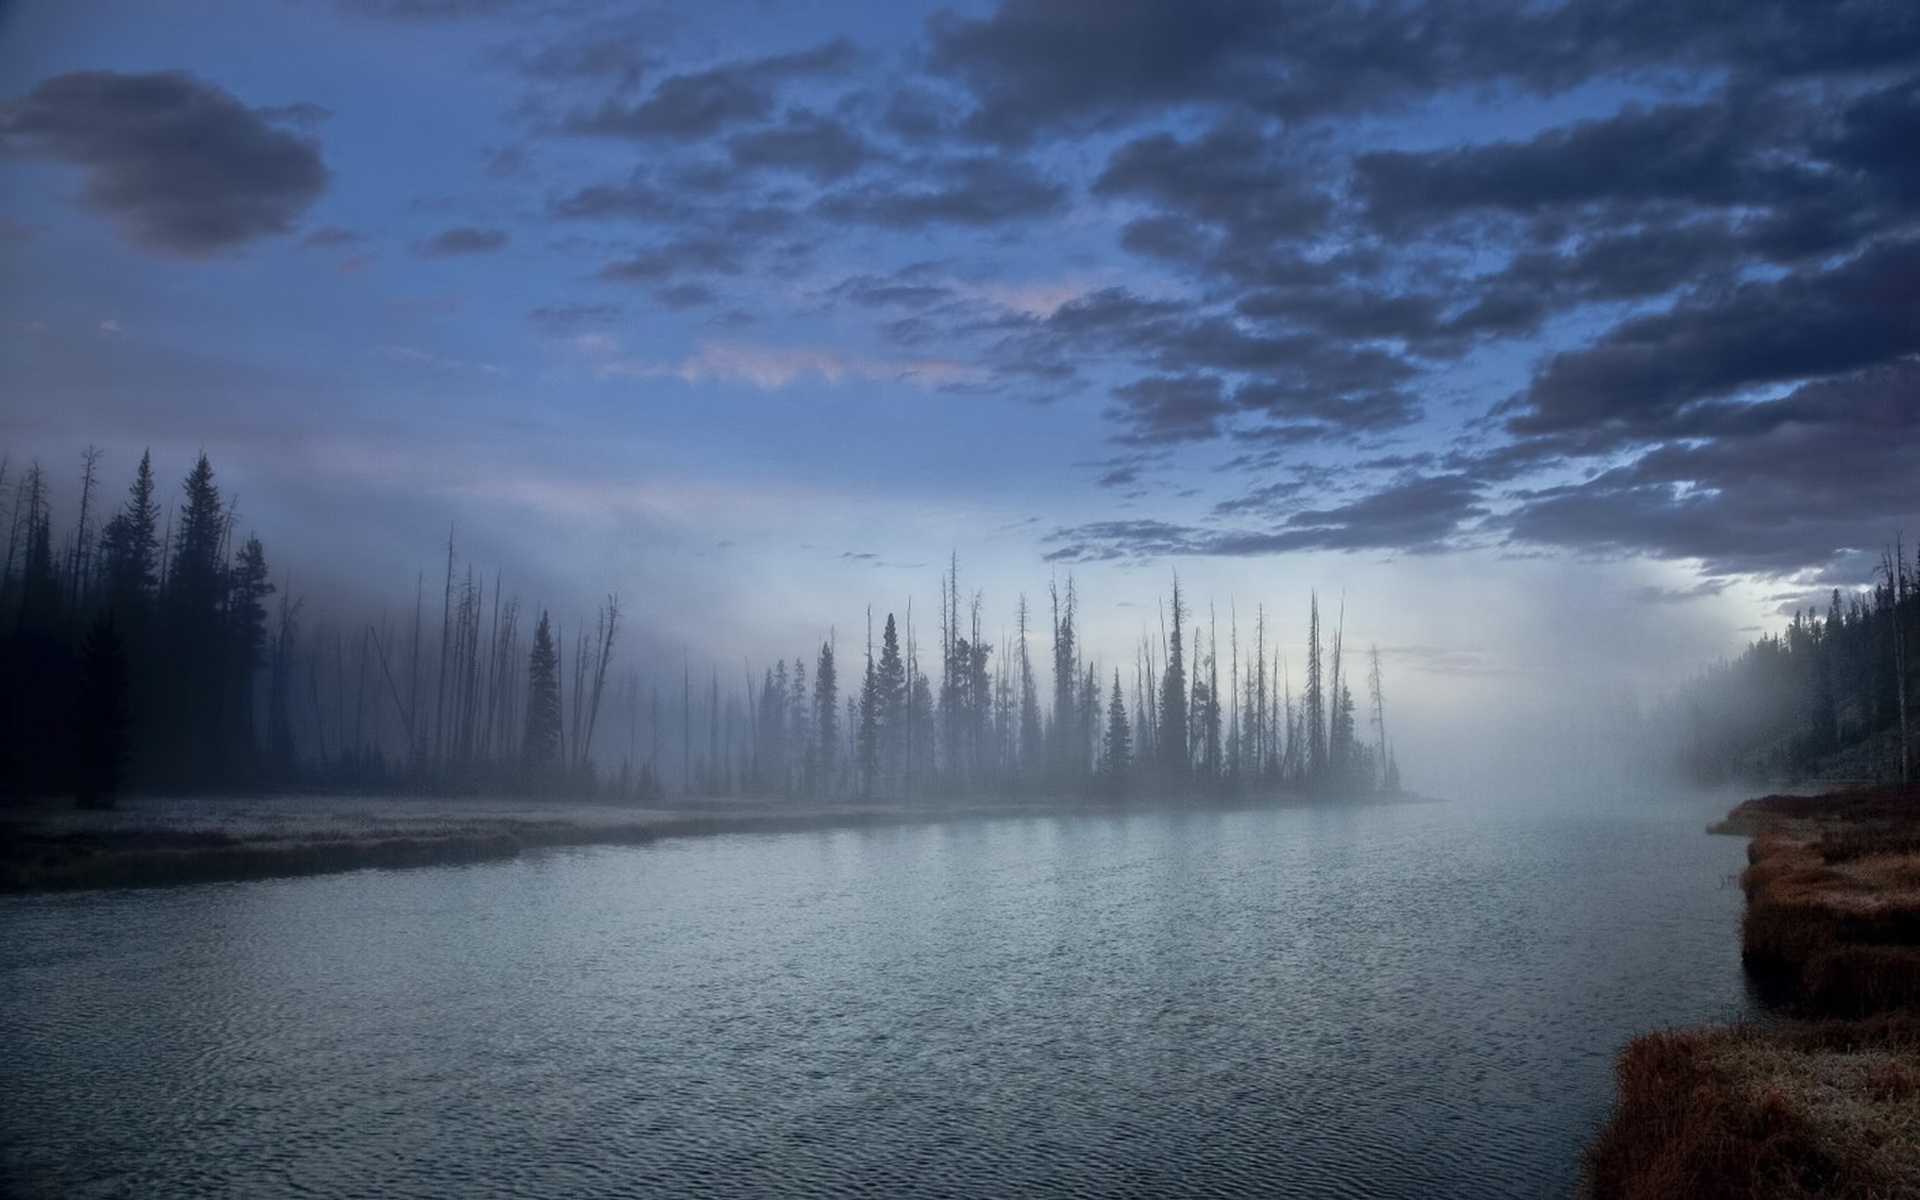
1574 336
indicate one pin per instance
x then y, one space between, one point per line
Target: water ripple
1386 1002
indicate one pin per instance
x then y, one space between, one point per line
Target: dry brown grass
1833 900
1826 1106
1829 1109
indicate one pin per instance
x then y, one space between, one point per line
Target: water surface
1418 1000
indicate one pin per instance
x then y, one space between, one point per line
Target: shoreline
162 841
1821 1097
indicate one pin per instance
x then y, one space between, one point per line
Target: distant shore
1823 1100
153 841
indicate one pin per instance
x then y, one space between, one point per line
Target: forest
148 649
1827 698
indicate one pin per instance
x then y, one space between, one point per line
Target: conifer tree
100 725
1315 764
1174 759
542 744
826 716
130 548
1117 752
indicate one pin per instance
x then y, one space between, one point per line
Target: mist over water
1407 1000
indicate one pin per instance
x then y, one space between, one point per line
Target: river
1417 1000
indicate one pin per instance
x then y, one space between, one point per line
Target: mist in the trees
157 652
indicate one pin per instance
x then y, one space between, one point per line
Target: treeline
1828 697
155 654
128 643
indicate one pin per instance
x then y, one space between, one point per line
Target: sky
1542 340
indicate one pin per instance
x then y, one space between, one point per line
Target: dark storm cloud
964 191
461 240
1877 137
1645 370
803 141
1746 219
180 163
1769 487
1230 177
1170 409
1418 514
699 104
1037 65
1691 154
1421 514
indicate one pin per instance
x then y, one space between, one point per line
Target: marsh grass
1824 1105
1821 1109
1832 924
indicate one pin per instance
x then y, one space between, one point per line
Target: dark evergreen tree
826 722
867 739
891 699
541 747
1116 755
1172 736
130 550
101 716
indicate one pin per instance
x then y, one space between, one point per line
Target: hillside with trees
1830 697
147 648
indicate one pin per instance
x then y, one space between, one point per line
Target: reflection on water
1398 1001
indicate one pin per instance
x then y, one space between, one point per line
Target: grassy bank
157 842
151 841
1825 1101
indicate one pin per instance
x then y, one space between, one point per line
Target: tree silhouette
100 722
542 744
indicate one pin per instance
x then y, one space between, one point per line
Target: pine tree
891 699
542 745
1315 766
129 560
867 739
100 724
1030 737
826 715
1117 752
1174 759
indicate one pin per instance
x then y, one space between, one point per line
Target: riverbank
1825 1100
151 841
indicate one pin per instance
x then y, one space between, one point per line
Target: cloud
1417 514
1233 176
1694 154
699 104
461 240
803 141
329 236
766 367
1166 409
564 320
1772 487
1642 373
638 199
693 255
1041 66
182 165
964 191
